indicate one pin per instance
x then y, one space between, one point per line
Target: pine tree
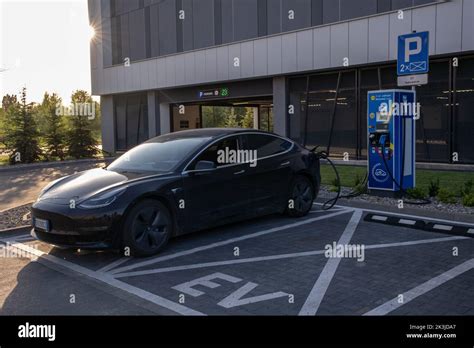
81 142
231 121
21 134
54 136
247 121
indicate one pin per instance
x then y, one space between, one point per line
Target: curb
5 210
15 229
16 167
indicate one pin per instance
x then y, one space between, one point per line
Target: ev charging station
391 119
391 140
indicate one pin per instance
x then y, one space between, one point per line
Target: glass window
299 18
124 26
131 119
203 23
159 155
227 24
273 17
265 145
316 12
398 4
383 6
167 27
120 124
432 129
214 153
330 11
137 35
359 8
154 31
464 120
245 19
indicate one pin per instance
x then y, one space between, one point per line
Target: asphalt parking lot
327 263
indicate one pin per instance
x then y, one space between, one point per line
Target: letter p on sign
409 51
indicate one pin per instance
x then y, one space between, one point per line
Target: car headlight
49 186
102 199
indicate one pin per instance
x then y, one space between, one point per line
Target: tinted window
245 19
137 35
266 145
217 152
203 23
167 27
274 17
227 25
299 18
330 11
159 156
359 8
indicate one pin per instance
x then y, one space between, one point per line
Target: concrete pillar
164 118
108 123
153 115
280 102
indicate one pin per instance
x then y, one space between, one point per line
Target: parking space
328 263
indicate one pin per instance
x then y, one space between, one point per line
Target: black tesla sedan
175 184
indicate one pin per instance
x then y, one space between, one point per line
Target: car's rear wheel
301 197
147 228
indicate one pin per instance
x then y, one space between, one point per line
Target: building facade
303 66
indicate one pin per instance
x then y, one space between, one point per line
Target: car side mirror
205 166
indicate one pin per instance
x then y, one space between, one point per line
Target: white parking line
161 301
225 242
316 295
114 264
276 257
421 289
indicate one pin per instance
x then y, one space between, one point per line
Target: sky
44 45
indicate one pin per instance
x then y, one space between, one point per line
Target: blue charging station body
391 139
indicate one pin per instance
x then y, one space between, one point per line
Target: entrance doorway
256 114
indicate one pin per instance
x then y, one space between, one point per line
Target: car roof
212 133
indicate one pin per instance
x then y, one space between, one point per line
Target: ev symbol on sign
413 54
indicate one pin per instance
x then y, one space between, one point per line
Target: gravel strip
393 202
15 217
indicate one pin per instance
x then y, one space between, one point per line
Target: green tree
247 120
8 100
81 142
21 134
55 132
231 121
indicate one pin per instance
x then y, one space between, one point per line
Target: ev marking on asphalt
235 299
225 242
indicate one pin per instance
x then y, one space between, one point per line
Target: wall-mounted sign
214 93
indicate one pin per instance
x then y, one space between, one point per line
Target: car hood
85 184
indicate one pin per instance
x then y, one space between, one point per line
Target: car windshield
157 156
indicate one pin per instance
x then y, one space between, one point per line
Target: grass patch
448 180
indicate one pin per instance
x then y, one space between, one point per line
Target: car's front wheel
147 228
301 196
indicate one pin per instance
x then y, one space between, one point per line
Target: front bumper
76 228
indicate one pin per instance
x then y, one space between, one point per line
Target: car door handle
239 173
284 163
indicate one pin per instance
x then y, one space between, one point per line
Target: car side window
215 152
266 145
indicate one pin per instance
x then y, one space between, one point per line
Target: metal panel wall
367 40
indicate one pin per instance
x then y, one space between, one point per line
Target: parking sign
413 54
